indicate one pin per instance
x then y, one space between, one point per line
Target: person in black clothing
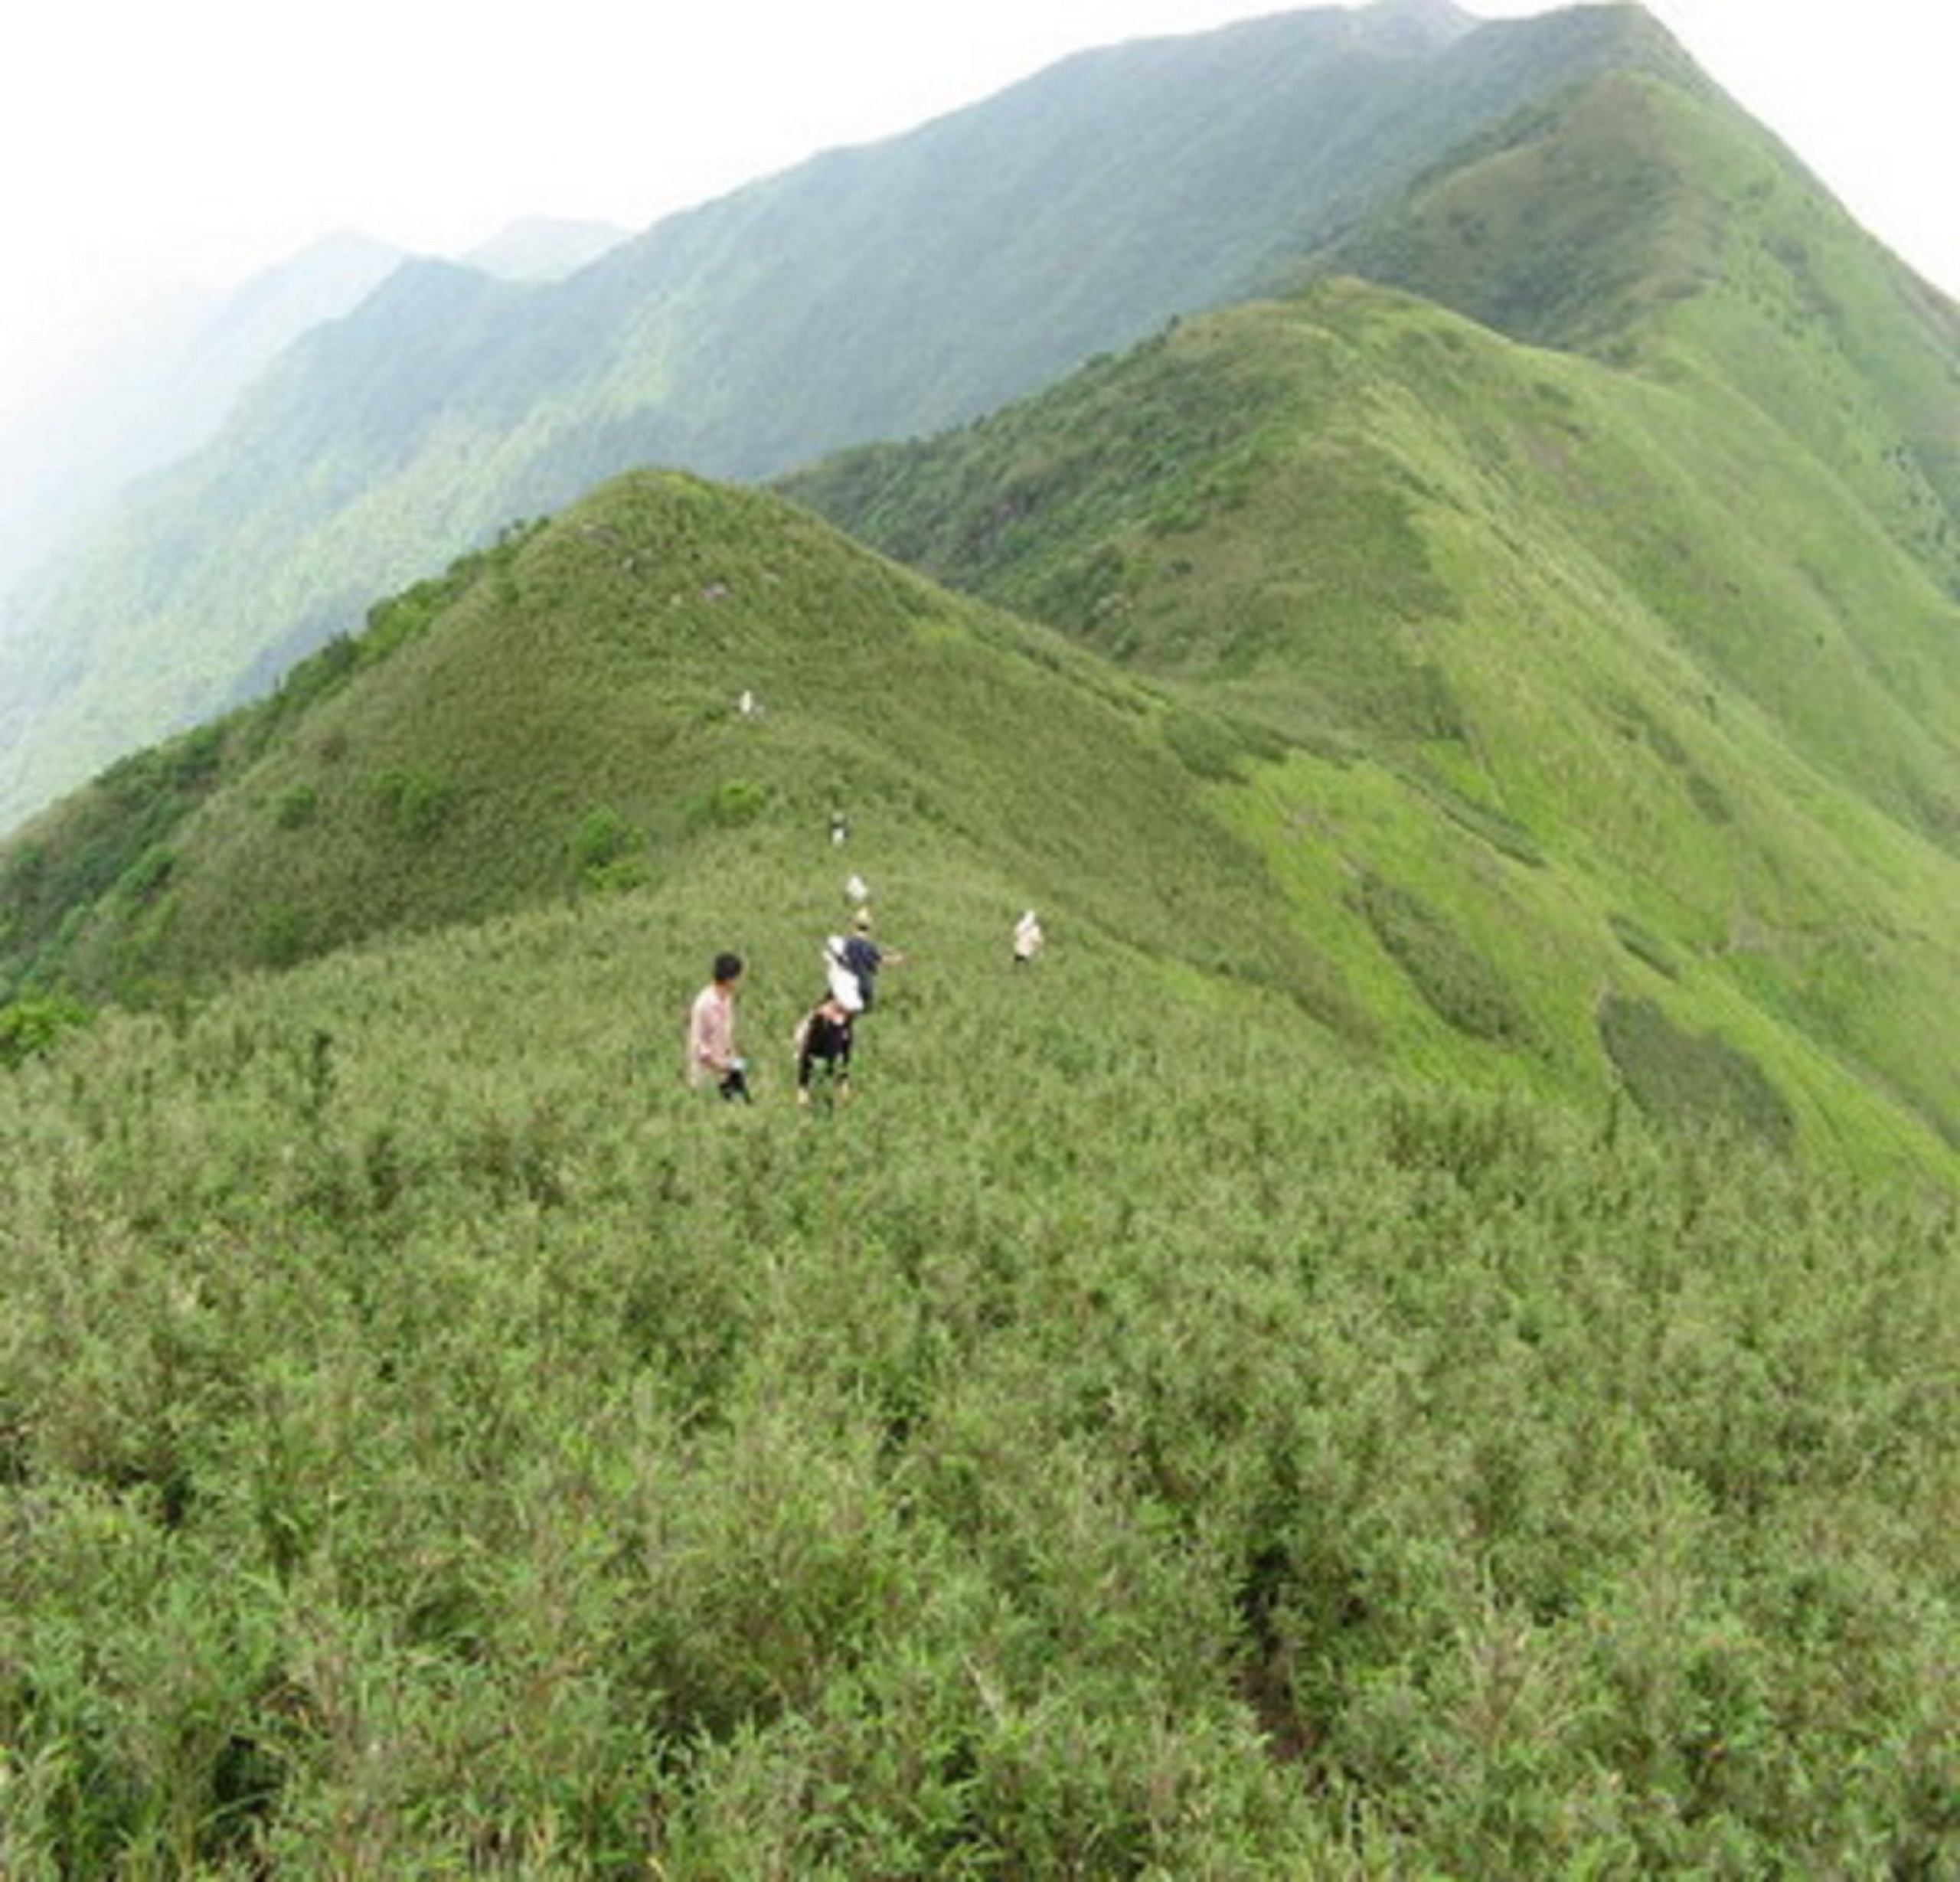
823 1045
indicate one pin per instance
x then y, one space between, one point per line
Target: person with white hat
864 957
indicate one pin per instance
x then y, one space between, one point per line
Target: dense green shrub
417 803
144 878
297 807
281 936
729 804
1694 1080
1119 1443
29 1025
1457 982
1504 834
1643 944
605 851
1208 746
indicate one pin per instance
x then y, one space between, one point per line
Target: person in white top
1028 938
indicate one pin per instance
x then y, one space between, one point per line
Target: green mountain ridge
569 701
1159 1426
1363 550
1575 714
1490 820
1633 606
1421 1337
1653 225
881 292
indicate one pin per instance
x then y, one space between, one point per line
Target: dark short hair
727 966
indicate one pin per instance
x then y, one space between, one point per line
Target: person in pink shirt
711 1053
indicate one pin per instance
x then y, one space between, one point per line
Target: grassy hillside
1651 225
1448 786
882 292
561 716
1548 690
1419 1339
1123 1443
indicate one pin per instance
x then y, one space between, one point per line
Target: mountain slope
1671 609
1645 220
1529 789
1529 843
562 711
880 291
157 393
436 1441
1585 719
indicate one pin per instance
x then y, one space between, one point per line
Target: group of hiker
825 1036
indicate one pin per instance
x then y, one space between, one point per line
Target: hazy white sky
149 143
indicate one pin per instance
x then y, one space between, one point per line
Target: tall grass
1121 1443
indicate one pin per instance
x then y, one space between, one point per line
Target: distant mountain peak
544 248
1432 22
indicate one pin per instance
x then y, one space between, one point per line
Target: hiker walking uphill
711 1054
861 958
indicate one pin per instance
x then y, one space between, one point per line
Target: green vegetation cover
1246 1393
879 292
1496 654
1125 1441
563 714
1418 1338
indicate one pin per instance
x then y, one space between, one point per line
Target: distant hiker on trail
1028 938
864 957
823 1043
711 1053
